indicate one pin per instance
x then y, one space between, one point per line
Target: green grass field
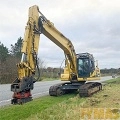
67 107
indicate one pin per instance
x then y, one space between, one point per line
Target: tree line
8 60
10 57
110 71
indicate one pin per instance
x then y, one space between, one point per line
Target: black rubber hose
36 58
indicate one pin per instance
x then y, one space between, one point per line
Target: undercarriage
85 89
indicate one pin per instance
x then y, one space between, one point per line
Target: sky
92 26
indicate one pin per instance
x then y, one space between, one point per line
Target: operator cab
85 64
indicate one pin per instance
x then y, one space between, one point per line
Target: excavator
78 71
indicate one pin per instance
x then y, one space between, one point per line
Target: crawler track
90 88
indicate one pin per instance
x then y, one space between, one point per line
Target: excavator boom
47 28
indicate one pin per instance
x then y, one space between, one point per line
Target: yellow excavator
79 68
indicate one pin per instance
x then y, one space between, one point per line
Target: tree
42 66
16 48
3 52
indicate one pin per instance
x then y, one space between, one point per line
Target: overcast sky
92 25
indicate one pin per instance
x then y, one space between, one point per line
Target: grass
69 107
20 112
105 103
64 110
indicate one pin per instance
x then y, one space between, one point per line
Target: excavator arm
23 84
